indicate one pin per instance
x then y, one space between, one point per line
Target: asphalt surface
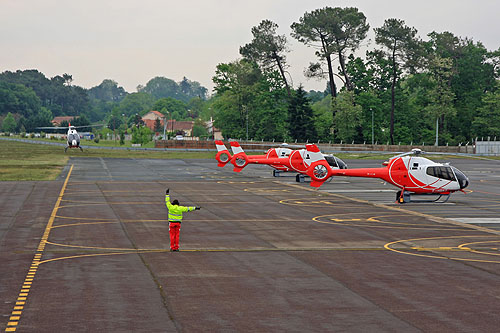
89 252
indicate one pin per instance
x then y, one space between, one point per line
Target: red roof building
171 126
58 120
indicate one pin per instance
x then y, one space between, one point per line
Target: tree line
404 89
408 88
28 99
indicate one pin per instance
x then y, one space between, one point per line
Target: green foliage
487 121
81 121
141 134
403 51
18 99
196 107
107 91
300 118
122 137
247 97
135 103
337 30
199 129
268 49
162 87
158 126
9 124
57 94
323 118
406 84
115 122
171 108
348 118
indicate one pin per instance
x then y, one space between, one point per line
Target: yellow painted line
16 312
391 226
101 254
21 300
388 247
397 209
165 221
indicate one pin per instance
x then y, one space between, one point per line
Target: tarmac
89 252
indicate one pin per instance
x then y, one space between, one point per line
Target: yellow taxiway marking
135 251
372 222
165 221
23 294
398 209
467 246
389 247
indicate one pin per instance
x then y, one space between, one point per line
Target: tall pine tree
300 117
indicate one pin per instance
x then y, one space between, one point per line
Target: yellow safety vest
175 211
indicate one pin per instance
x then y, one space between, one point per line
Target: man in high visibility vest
175 219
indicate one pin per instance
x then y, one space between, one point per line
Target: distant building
58 120
180 126
213 131
153 115
149 119
171 126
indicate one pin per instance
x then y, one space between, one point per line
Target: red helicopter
309 161
414 175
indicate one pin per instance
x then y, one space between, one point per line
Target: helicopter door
417 174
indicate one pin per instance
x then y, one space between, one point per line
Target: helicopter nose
73 143
463 181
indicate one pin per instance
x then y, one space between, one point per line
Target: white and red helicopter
309 161
72 139
414 175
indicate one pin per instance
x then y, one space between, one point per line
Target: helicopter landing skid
299 178
406 197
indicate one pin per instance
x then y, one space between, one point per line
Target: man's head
175 202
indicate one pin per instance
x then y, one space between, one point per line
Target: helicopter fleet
413 174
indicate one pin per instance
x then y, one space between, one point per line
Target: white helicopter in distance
73 138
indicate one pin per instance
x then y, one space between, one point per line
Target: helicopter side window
331 161
441 172
431 171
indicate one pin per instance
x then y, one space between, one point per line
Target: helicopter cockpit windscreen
463 181
335 162
74 137
341 164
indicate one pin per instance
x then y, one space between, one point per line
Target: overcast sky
133 41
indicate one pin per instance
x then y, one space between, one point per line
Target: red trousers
174 228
